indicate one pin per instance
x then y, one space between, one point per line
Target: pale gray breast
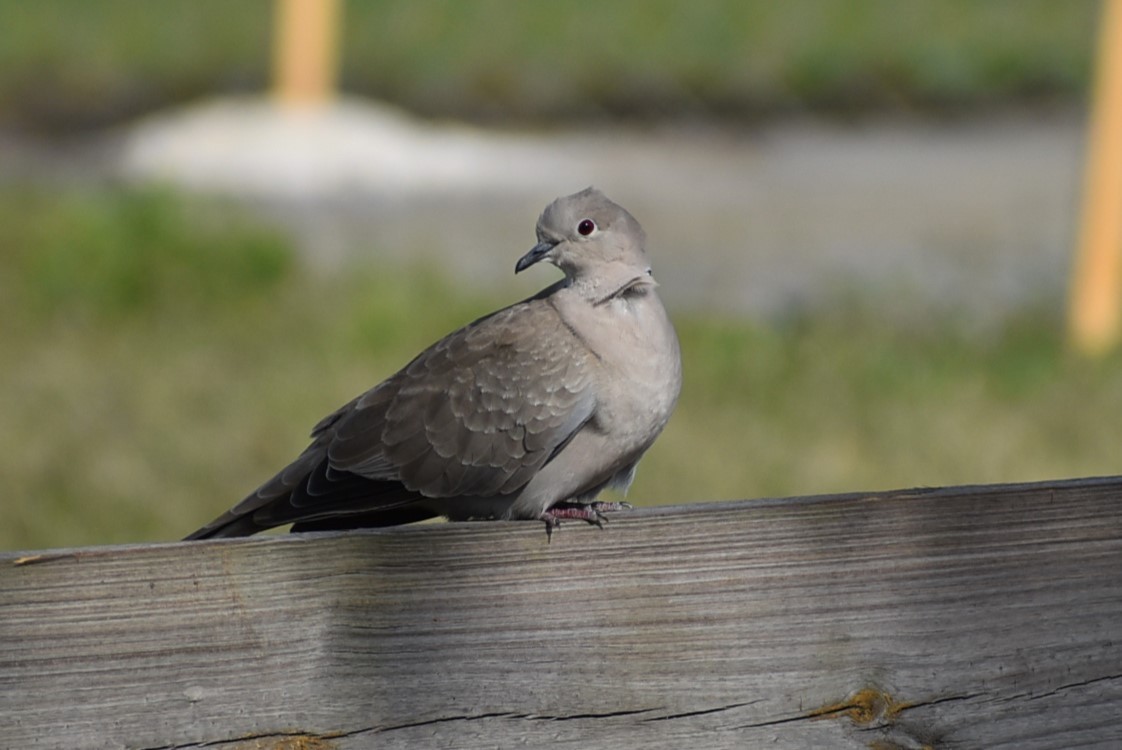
639 348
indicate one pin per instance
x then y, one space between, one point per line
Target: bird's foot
593 513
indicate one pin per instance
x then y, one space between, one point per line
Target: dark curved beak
537 252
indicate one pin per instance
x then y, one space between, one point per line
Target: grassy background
66 65
163 356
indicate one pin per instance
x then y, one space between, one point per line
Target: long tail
315 497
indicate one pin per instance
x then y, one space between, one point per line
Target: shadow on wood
971 617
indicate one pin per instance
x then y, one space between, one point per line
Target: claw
592 513
551 523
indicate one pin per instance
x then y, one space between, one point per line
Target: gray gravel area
974 218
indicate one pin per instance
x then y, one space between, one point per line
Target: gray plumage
527 413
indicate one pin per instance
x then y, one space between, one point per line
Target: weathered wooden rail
969 617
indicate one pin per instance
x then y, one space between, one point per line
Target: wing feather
478 413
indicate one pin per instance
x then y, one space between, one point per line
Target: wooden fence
968 617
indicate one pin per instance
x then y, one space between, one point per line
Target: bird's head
588 236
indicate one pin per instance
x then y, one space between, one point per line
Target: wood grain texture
970 617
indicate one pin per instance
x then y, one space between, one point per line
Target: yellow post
1093 316
305 51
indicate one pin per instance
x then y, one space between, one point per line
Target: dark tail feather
234 526
227 525
376 519
324 499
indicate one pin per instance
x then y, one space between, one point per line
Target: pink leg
593 513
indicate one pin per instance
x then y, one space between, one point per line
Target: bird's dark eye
586 227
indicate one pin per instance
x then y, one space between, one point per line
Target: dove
525 414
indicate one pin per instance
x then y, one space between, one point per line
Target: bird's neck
611 282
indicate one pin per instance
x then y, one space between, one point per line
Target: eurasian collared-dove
527 413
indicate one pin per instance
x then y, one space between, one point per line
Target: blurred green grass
162 356
68 65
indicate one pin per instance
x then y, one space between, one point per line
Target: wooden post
967 617
1094 317
305 51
